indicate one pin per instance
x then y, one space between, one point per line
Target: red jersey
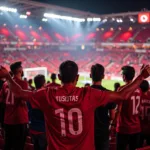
53 85
128 122
16 111
145 115
69 115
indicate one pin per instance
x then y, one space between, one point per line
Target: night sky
102 6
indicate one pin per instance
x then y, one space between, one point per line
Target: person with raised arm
69 110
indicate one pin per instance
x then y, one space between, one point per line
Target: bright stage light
23 16
28 13
96 19
105 20
89 19
64 17
3 8
119 20
44 20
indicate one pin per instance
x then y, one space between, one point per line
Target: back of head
16 67
87 85
30 81
68 71
39 81
128 72
144 86
116 86
97 72
53 76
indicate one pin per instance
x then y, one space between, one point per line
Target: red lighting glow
91 36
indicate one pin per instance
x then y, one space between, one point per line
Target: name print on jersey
67 98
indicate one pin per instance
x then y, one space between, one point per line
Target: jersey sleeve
38 99
99 97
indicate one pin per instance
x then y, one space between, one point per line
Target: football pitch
109 84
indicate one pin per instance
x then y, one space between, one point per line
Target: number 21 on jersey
70 121
9 97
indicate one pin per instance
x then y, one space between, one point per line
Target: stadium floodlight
78 19
3 8
44 19
23 16
105 20
119 20
89 19
113 19
28 13
96 19
64 17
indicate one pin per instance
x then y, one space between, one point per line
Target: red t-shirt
53 85
128 122
16 111
69 115
145 114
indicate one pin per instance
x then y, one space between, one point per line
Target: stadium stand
52 59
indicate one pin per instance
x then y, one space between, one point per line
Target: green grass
109 84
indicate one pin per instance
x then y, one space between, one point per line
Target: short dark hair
30 81
14 66
128 72
97 72
116 86
53 76
144 86
68 71
39 81
87 84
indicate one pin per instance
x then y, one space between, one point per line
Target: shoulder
121 87
39 93
99 87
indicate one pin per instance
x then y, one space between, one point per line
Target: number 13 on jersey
71 121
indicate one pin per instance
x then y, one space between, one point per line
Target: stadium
39 38
42 36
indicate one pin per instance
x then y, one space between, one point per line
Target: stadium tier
41 34
113 61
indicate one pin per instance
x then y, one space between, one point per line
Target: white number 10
70 120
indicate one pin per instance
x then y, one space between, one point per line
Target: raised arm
14 87
130 88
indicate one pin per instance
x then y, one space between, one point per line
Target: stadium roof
38 9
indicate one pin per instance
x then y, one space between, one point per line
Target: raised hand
145 71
